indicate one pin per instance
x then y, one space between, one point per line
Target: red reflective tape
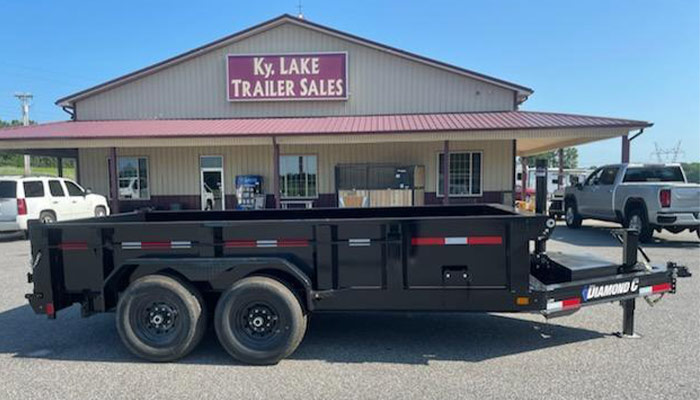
50 309
428 241
662 287
155 245
73 246
571 303
488 240
240 243
292 243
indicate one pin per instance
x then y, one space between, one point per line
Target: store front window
298 176
465 174
132 175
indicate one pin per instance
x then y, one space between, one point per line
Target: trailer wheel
160 318
259 321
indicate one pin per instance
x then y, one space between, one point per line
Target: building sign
313 76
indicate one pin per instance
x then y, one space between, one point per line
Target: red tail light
21 207
665 198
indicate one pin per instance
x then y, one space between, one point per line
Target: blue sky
629 59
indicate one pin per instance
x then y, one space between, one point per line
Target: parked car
47 199
646 197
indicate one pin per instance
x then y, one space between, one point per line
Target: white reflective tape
180 244
131 245
359 242
555 305
643 291
266 243
455 240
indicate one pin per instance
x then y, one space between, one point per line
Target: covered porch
480 166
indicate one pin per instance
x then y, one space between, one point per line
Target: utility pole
24 99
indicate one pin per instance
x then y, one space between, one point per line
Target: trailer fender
213 274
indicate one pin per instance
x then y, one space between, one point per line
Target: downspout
70 111
626 140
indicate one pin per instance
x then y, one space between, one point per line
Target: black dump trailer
259 274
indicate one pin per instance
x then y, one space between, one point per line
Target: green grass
10 170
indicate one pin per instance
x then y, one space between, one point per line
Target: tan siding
379 83
175 170
93 170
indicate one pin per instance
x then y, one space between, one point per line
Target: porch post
59 165
625 149
276 171
560 177
446 173
77 168
114 180
523 178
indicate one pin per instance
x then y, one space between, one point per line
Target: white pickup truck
646 197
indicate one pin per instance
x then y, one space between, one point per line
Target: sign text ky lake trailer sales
287 77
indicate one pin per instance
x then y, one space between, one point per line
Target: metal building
321 117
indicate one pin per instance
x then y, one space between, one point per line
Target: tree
552 157
11 159
692 171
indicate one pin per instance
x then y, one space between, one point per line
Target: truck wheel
100 212
160 318
47 217
259 321
637 219
572 217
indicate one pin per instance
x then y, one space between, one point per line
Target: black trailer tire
637 219
572 217
259 320
160 318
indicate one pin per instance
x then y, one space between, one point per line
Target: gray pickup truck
646 197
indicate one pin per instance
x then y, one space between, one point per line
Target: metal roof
375 124
68 101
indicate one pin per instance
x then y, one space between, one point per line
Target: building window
133 178
465 174
298 176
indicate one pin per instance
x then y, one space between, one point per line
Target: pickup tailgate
8 200
685 198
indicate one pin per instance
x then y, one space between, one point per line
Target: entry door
587 193
212 189
602 202
60 203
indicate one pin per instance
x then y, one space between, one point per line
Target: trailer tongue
263 272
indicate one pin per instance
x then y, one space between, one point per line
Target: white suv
46 199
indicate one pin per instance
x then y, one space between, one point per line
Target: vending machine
249 192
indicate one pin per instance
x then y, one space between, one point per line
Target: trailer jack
628 332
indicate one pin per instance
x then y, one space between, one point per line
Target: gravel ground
371 355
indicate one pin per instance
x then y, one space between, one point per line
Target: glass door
212 190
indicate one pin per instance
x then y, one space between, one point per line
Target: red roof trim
267 127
